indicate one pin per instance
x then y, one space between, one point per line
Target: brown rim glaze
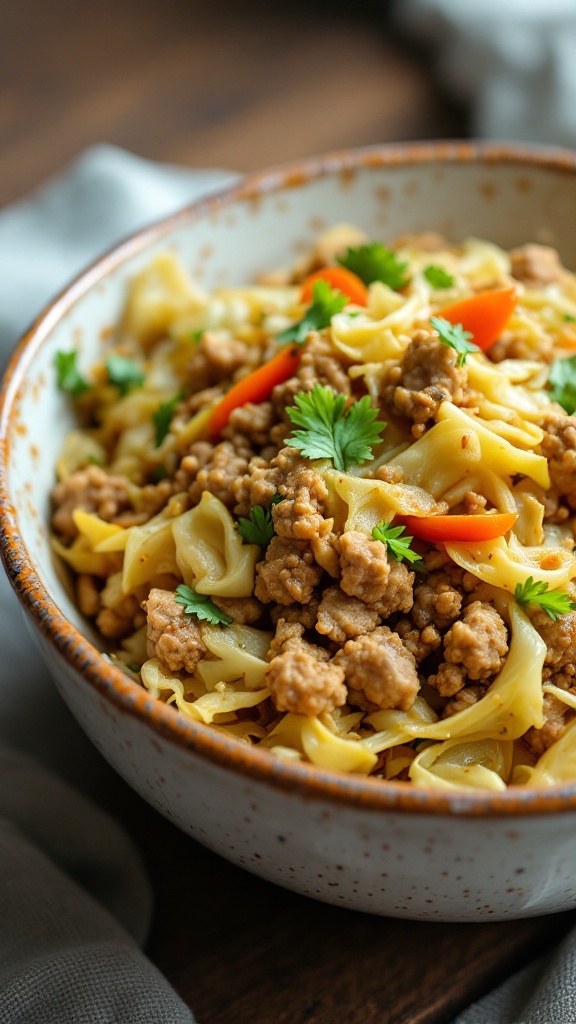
128 696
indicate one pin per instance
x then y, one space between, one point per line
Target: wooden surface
204 82
242 85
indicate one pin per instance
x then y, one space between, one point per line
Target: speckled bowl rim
130 698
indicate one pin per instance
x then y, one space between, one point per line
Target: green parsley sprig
68 375
201 606
562 381
554 602
397 544
329 431
455 336
162 418
374 262
124 373
437 277
326 302
258 528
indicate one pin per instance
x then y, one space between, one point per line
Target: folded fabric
66 891
513 61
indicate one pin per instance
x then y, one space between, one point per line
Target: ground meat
215 357
301 678
560 639
380 665
305 614
535 265
288 573
556 716
559 446
341 617
173 637
219 474
473 503
88 595
113 625
475 648
253 421
398 594
420 643
321 363
93 490
364 566
153 497
304 493
465 698
246 611
437 601
427 376
512 345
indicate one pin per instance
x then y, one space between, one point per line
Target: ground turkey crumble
427 376
301 676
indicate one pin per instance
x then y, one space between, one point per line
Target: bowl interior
504 196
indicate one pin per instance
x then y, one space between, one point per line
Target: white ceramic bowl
353 841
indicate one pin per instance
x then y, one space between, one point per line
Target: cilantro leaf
569 318
258 528
68 375
455 336
562 379
554 602
438 277
397 545
162 418
374 262
326 302
331 432
124 373
201 606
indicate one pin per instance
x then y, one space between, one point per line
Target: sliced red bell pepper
256 386
485 315
460 528
340 278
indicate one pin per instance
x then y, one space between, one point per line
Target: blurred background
242 84
208 83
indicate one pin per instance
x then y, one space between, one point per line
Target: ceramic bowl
349 840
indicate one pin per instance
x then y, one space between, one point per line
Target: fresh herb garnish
562 380
258 528
554 602
162 418
374 262
397 545
201 606
68 375
569 318
196 335
124 373
326 302
331 432
455 336
438 277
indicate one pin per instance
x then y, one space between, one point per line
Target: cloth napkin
512 61
74 900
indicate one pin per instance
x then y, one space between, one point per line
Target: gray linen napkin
74 900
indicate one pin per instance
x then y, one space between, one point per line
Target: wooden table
241 85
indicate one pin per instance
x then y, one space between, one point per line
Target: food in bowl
331 513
